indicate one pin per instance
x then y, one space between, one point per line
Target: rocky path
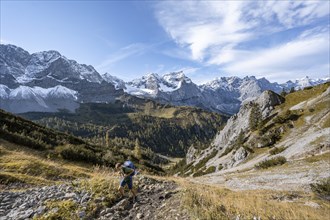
156 200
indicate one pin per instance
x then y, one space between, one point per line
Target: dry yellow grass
210 202
303 95
20 164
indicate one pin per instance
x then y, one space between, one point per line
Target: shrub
220 167
198 173
8 178
270 138
227 151
211 169
78 153
202 162
311 109
287 116
322 188
202 172
271 162
277 150
23 140
308 87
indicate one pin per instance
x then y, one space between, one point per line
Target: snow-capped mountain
225 94
118 83
25 67
33 82
174 88
24 99
303 82
48 81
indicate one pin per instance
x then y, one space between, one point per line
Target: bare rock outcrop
230 153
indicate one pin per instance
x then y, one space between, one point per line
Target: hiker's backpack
130 164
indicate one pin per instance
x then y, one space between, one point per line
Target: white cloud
212 32
299 56
190 27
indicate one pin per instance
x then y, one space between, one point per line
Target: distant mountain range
48 81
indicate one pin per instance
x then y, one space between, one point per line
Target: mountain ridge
48 69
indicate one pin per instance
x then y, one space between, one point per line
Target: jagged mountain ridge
47 81
224 95
39 73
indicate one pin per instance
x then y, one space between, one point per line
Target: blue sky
279 40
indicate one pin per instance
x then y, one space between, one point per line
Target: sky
279 40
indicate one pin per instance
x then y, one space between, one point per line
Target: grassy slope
56 145
23 167
202 201
212 202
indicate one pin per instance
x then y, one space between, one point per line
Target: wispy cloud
305 55
123 53
220 32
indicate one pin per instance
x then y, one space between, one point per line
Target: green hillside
162 128
51 144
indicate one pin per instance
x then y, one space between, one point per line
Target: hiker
127 171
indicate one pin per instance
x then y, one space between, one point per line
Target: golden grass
66 209
317 158
326 122
20 164
320 108
163 112
303 95
210 202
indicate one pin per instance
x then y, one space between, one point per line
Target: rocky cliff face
230 150
265 128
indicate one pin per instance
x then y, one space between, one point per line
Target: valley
74 177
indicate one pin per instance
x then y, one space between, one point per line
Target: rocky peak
176 77
150 81
267 100
45 56
118 83
10 50
152 76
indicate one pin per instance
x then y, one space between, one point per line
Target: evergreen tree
240 139
283 93
137 149
107 139
292 90
255 117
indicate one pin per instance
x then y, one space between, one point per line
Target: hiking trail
157 199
